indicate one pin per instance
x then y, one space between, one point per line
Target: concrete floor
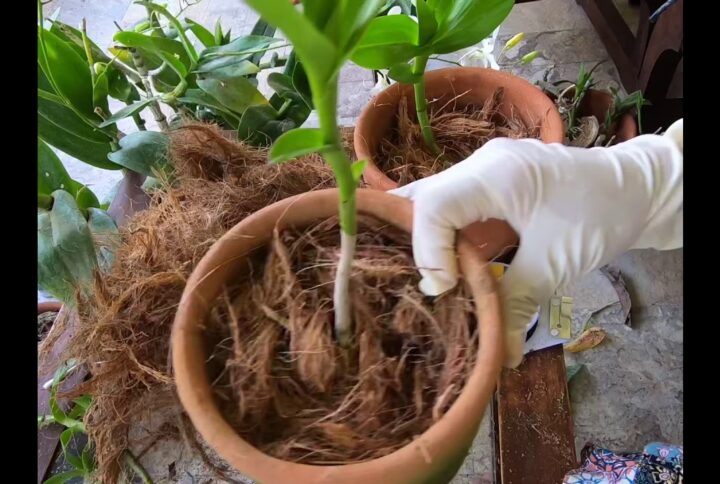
630 391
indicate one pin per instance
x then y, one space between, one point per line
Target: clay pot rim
49 306
439 443
379 180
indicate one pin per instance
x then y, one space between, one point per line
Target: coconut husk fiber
123 332
291 391
459 132
280 378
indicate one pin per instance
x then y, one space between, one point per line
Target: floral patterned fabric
658 464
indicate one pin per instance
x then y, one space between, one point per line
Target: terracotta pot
596 103
434 457
378 117
47 306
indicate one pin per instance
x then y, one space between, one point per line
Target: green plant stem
421 105
154 106
88 51
325 103
136 467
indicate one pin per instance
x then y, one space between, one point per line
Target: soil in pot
285 385
459 132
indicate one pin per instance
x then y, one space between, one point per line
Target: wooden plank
616 36
534 429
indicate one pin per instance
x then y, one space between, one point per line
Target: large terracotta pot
520 98
434 457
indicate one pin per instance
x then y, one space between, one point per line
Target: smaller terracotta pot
520 98
433 457
596 103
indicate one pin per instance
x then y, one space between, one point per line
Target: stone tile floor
630 390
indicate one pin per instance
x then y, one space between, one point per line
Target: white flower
382 83
482 55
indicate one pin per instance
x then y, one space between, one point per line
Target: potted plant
324 35
441 27
594 117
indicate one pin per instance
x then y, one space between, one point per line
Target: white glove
575 210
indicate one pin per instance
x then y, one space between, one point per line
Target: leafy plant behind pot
324 36
622 105
75 235
391 41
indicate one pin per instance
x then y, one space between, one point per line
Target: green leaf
238 69
101 88
105 236
236 94
65 438
142 152
355 18
68 73
84 197
387 41
128 111
60 127
316 51
426 22
52 107
74 37
295 143
174 23
119 87
203 34
301 83
66 255
65 477
260 126
242 48
201 98
218 33
51 172
358 166
403 73
153 44
462 23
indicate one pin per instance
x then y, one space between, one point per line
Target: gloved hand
575 210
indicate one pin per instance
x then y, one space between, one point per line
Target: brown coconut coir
282 381
459 131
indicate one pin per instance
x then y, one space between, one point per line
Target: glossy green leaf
84 197
358 166
65 438
61 128
142 152
426 22
261 28
403 73
355 18
65 477
68 73
174 23
66 256
260 126
74 37
295 143
101 89
128 111
43 82
218 33
231 70
52 108
201 98
153 44
301 83
318 53
51 172
387 41
462 23
119 87
236 94
203 34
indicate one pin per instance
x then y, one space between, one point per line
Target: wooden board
534 438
